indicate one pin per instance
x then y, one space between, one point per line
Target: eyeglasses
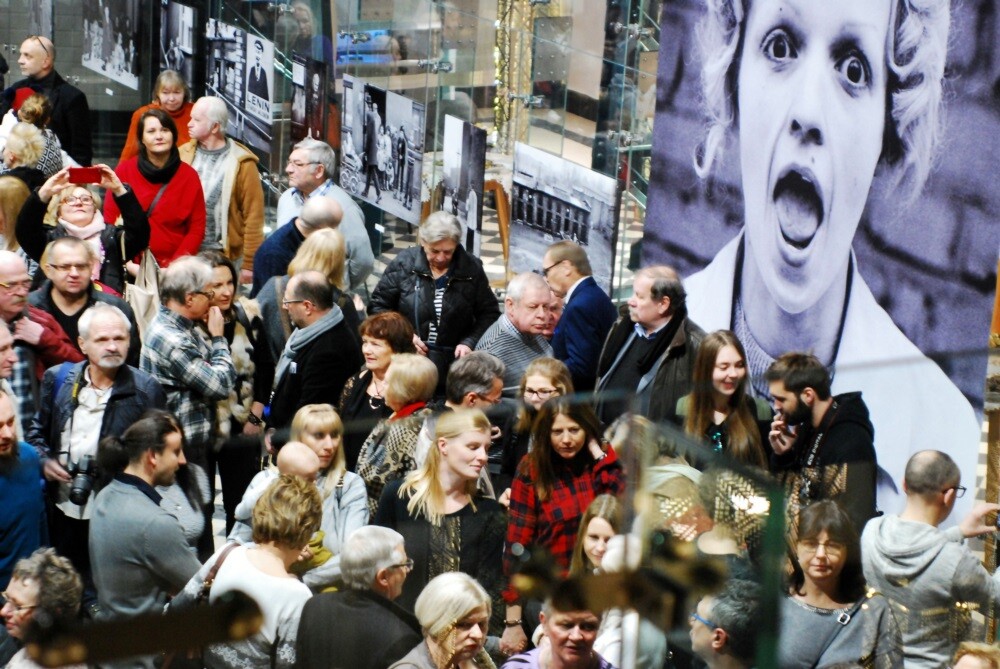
66 267
704 621
207 293
18 608
959 490
487 400
546 270
541 393
408 565
285 303
832 548
298 164
40 43
78 199
11 286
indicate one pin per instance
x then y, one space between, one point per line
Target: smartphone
85 175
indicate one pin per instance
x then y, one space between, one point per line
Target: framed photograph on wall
464 165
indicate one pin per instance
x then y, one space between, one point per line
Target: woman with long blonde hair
448 526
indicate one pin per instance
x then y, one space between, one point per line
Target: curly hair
918 45
288 513
59 585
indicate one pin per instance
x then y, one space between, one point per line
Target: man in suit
320 355
587 316
257 79
372 124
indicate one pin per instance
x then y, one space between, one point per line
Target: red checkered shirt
553 524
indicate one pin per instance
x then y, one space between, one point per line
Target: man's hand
216 322
780 436
29 331
54 472
973 525
420 345
462 350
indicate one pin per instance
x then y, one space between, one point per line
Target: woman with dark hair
719 409
237 452
362 403
167 189
828 616
567 468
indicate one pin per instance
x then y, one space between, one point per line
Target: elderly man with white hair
195 373
234 197
516 337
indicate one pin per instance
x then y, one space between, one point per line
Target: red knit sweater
177 225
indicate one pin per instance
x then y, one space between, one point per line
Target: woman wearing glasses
447 524
543 379
169 190
62 209
827 617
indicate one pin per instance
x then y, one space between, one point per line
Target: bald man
70 112
281 246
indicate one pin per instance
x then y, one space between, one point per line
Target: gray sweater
930 578
138 555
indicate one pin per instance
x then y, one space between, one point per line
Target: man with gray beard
81 404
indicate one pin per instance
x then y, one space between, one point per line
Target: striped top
515 348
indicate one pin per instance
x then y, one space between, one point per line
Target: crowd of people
389 463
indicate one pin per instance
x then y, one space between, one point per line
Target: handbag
143 296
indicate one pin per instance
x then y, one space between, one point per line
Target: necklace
376 401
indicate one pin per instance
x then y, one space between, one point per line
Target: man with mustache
70 290
83 403
823 444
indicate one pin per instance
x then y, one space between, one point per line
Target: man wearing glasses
70 112
195 373
930 577
724 626
39 341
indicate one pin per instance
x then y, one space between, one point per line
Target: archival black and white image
382 144
464 167
111 34
298 116
316 92
39 18
177 38
827 213
554 199
226 72
260 77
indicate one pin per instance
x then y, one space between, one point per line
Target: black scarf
620 335
159 175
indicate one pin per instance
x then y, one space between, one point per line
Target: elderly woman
25 147
43 585
62 209
442 290
454 612
37 110
362 403
168 190
388 452
171 94
815 123
447 523
284 519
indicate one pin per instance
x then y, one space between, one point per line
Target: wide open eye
778 47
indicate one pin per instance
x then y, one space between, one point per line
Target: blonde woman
388 453
453 611
447 524
25 147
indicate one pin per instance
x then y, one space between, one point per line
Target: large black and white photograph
298 116
836 205
316 91
39 18
260 77
226 70
382 146
462 176
177 38
111 35
553 199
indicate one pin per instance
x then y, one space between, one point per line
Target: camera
83 473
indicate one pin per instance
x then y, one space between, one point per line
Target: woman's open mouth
799 206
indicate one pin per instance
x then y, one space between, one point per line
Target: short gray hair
448 598
523 282
320 153
368 550
216 111
83 325
187 274
473 373
440 226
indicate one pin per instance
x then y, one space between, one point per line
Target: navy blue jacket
586 320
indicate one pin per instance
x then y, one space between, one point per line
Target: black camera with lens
83 472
